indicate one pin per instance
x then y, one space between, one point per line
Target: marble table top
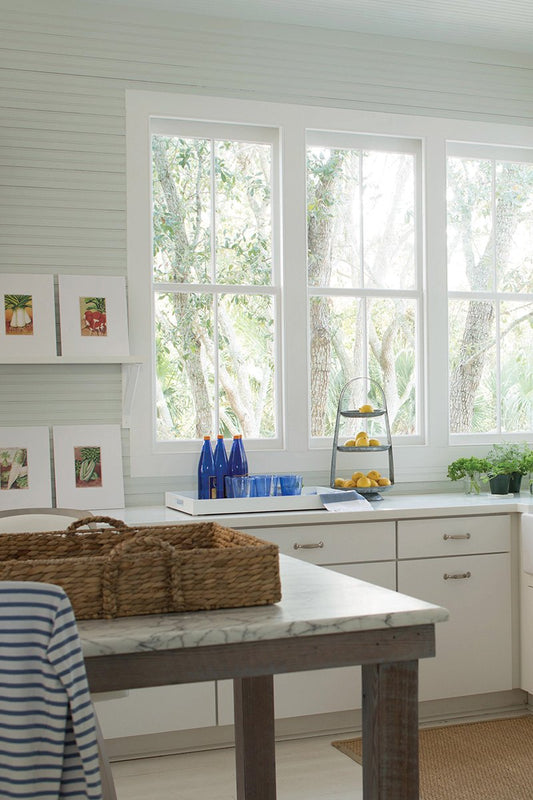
314 601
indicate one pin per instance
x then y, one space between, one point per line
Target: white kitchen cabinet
157 710
334 543
322 691
452 536
474 647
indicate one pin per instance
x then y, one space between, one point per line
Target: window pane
184 366
243 174
473 391
514 210
392 328
361 207
333 217
389 220
181 209
336 356
246 353
470 241
516 355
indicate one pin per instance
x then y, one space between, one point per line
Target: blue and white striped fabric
48 746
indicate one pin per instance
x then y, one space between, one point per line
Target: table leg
255 756
390 731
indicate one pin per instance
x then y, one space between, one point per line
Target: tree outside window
490 282
214 298
363 279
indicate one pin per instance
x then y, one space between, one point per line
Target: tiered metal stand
367 391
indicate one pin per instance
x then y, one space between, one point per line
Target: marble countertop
393 506
314 601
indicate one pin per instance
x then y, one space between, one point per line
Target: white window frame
421 462
412 147
248 133
492 153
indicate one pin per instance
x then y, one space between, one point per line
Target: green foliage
507 458
467 467
16 301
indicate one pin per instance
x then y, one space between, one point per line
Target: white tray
189 503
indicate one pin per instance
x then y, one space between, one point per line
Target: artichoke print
88 465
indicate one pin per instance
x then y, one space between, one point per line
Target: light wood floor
307 769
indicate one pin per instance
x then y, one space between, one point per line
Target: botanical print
18 314
13 468
88 465
93 316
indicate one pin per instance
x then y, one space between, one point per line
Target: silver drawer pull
456 536
457 576
312 546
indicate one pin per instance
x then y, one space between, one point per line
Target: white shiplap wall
64 69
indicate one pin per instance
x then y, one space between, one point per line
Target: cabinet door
474 649
319 691
454 536
157 710
334 543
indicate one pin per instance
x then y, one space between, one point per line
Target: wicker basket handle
115 523
112 569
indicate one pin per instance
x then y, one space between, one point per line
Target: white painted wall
64 68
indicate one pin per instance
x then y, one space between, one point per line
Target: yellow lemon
384 482
373 474
357 475
364 482
339 483
373 482
366 409
349 443
374 442
361 441
349 484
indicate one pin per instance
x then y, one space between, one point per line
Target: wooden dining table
324 620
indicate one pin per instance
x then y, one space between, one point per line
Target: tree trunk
478 333
319 239
187 335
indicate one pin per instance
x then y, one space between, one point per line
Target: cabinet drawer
334 543
449 536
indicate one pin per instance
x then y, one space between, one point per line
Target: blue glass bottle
237 462
221 466
206 472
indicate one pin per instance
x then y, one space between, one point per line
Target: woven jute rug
490 760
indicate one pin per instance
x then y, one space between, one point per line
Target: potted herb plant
473 470
509 462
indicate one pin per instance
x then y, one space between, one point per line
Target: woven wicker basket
121 571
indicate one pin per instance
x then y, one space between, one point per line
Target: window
276 251
215 294
490 281
363 274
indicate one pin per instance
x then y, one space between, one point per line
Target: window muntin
490 282
363 285
215 294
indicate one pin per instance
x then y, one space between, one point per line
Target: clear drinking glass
263 485
290 484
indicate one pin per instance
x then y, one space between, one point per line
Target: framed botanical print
88 466
25 468
28 315
93 315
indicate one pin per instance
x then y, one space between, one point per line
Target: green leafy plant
509 458
467 468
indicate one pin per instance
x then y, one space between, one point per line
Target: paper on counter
345 501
